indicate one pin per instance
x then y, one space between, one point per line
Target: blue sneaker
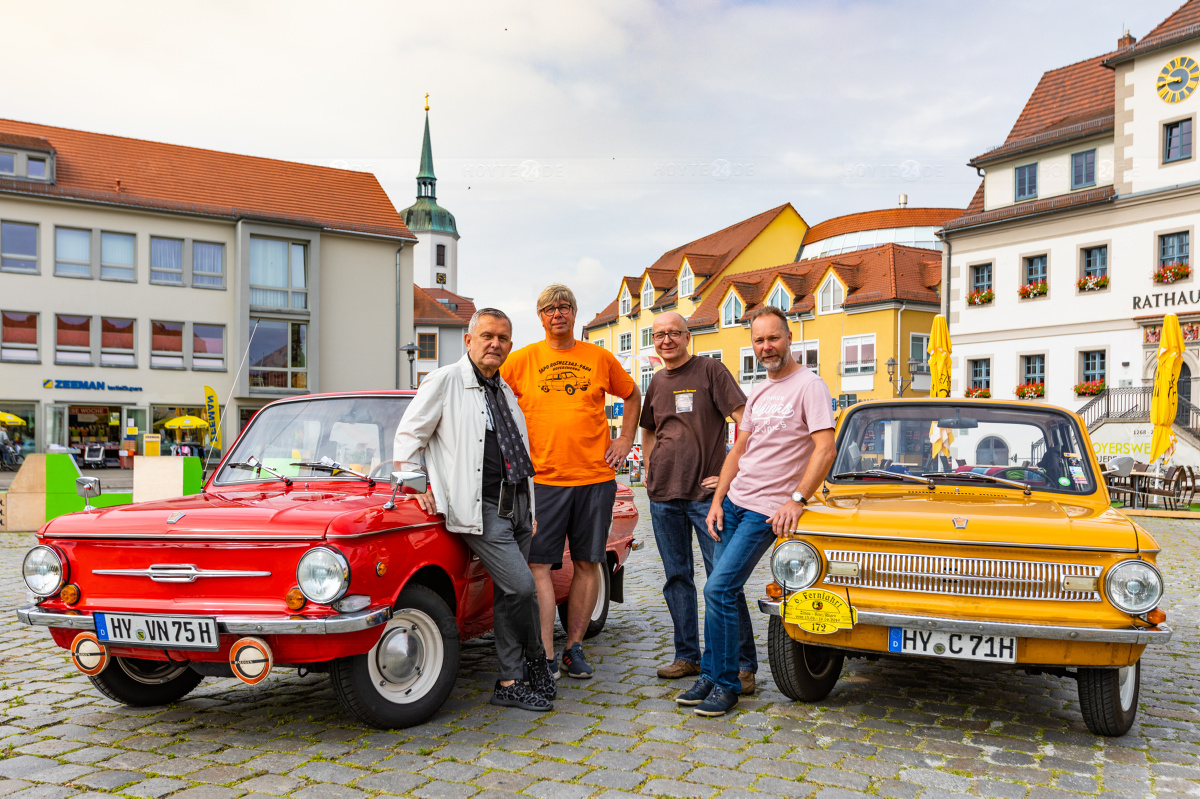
576 664
718 702
697 693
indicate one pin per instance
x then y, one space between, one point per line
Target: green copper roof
425 214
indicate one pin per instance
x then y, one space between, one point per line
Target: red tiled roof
878 220
27 142
976 204
464 307
1182 25
1062 202
428 311
112 169
609 314
878 274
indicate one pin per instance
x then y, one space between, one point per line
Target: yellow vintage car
974 531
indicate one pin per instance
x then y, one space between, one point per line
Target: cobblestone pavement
888 730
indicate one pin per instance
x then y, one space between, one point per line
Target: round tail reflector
250 659
88 654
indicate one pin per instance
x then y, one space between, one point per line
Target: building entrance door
56 426
1185 393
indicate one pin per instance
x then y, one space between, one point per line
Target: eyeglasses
561 310
664 334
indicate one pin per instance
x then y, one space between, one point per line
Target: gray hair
495 313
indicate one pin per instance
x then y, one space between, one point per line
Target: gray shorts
578 515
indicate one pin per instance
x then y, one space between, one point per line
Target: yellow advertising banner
212 415
151 442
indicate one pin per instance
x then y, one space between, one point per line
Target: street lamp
411 348
915 367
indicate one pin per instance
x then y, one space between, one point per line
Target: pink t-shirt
780 417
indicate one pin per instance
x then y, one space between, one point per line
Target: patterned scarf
517 465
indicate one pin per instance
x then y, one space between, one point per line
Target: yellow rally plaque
819 611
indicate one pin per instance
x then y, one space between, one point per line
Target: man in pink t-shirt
782 455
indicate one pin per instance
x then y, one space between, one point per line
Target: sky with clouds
573 141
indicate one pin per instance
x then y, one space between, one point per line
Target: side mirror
87 487
1121 466
417 481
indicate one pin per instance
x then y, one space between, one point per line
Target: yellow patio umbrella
8 418
1165 402
185 423
939 358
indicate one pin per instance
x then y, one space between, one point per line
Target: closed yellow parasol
8 418
185 423
939 358
1166 388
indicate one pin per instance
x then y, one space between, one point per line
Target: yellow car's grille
978 577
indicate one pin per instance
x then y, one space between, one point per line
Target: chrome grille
977 577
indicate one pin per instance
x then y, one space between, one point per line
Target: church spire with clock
435 255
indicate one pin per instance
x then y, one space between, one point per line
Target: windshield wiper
258 467
334 468
885 473
991 478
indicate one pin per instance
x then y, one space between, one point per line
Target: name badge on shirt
684 400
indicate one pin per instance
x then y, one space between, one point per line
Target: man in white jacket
476 447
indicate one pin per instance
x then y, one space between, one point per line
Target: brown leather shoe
678 668
746 678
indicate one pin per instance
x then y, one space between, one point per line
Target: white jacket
448 419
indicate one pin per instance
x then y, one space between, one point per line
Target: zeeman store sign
87 385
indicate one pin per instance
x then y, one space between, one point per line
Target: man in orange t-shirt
560 385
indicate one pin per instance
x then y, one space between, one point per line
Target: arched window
625 303
731 311
441 255
992 451
832 295
780 299
647 294
685 281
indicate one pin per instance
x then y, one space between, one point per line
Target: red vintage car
304 550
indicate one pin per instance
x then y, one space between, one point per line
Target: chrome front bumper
1157 635
234 625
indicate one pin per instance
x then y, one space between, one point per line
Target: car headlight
795 565
323 575
1134 586
44 571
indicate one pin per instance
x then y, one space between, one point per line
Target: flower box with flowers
1038 288
1031 390
978 393
981 297
1169 273
1089 388
1092 283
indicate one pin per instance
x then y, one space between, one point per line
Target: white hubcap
1126 679
407 660
601 594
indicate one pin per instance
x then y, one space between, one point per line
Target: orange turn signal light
774 590
1156 616
69 594
295 599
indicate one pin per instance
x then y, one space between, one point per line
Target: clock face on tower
1178 79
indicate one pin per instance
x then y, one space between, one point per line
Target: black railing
1133 404
851 368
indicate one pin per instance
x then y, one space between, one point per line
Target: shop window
166 345
208 265
279 354
117 256
72 252
18 337
278 274
441 255
18 247
427 346
73 341
208 346
116 342
166 261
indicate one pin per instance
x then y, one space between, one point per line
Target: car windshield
957 443
354 432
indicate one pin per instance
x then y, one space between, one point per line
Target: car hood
962 518
229 515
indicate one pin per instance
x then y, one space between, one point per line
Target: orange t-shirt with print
561 393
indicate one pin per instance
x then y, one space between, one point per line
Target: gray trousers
503 547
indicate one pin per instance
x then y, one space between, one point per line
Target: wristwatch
799 498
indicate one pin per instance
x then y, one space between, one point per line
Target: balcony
856 367
857 376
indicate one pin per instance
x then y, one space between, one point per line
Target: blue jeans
743 541
674 522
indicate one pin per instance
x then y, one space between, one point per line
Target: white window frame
686 280
216 280
119 272
118 357
780 298
647 343
912 339
647 294
625 301
757 370
165 275
22 257
803 348
837 298
86 266
715 354
14 351
73 348
647 376
624 344
204 362
165 359
739 309
294 294
860 366
599 343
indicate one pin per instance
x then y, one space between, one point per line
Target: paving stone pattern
889 729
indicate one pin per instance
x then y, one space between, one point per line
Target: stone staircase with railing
1133 405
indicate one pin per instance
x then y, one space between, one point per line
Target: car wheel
802 671
600 611
405 678
1108 698
141 683
569 389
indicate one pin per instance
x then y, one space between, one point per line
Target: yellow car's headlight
795 565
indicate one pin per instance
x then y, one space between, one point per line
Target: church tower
435 255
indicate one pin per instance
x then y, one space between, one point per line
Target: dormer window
625 301
732 310
1026 180
780 299
8 164
26 158
36 168
685 281
647 294
831 296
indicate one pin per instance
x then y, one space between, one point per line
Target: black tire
804 672
600 612
142 683
1106 708
570 389
426 623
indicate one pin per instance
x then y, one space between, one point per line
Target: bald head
671 339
